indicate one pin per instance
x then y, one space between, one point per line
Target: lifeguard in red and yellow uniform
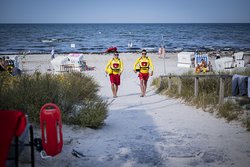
143 65
114 68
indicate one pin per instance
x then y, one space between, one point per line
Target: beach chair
202 63
225 63
199 58
185 59
14 127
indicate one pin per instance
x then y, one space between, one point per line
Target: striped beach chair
199 58
202 63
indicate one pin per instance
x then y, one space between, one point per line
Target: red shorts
115 79
143 76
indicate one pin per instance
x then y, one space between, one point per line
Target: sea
97 38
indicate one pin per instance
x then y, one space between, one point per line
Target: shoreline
42 62
210 53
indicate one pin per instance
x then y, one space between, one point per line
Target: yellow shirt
145 64
116 65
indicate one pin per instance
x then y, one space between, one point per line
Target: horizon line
128 23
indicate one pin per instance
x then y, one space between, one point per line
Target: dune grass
74 93
208 95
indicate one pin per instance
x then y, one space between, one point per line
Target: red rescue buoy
51 127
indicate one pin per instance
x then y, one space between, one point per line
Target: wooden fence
196 83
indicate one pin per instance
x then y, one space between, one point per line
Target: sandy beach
207 126
144 132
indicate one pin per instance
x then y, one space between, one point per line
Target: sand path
151 131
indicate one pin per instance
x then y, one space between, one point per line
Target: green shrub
91 115
30 92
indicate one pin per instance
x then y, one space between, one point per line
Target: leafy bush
30 92
90 115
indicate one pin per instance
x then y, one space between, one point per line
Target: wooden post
179 85
196 86
169 83
221 95
161 82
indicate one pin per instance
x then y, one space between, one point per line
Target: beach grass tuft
208 95
247 123
230 111
69 91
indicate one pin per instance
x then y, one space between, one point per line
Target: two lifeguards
143 65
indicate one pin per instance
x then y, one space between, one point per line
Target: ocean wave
48 40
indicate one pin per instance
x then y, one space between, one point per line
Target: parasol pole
163 52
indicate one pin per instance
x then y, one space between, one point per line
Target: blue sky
124 11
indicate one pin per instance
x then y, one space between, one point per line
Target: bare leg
116 90
145 87
113 89
142 87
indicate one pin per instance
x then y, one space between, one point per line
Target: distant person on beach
143 65
161 52
114 68
52 53
4 62
2 66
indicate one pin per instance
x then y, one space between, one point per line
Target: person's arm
121 69
108 65
151 66
137 61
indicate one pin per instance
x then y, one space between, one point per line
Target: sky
124 11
